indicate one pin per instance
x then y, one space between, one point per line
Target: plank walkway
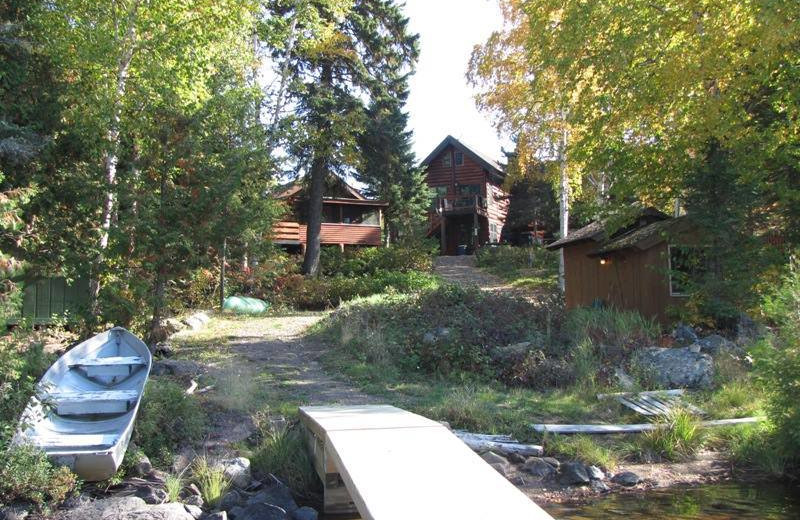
396 465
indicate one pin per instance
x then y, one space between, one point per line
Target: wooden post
222 274
444 238
476 239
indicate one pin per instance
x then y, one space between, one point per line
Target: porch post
444 238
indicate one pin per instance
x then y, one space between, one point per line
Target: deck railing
460 204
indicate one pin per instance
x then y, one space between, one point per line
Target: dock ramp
390 464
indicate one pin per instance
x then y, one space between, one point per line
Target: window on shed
459 158
446 159
687 265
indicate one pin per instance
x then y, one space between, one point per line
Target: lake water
726 501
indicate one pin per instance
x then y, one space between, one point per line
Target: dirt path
462 270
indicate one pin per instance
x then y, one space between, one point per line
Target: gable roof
294 187
650 222
641 238
480 158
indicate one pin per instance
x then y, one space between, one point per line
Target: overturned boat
86 403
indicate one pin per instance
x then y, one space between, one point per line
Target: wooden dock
390 464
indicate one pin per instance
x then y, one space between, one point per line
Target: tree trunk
314 227
563 204
110 155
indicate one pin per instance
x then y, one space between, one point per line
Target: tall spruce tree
332 80
389 167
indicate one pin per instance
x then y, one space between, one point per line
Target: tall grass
173 484
463 408
583 448
283 453
610 326
210 479
678 437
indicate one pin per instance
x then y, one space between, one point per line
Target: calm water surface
728 501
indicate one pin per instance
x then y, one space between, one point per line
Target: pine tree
389 168
358 61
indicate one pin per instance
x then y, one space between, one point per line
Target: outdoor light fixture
605 261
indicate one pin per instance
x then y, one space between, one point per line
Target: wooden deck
389 464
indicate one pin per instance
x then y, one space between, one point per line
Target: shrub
210 479
402 257
678 437
27 475
22 362
505 260
283 453
168 419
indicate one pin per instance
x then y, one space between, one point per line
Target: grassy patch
679 438
283 453
210 480
588 449
173 484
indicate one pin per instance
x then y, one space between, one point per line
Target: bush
505 260
168 419
401 257
22 362
283 453
27 475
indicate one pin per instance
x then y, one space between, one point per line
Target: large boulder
626 478
262 512
675 367
684 335
305 513
176 367
538 467
127 508
573 474
275 493
171 511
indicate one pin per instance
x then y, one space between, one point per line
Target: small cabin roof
477 156
650 223
294 187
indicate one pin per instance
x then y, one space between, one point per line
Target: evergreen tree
389 167
356 63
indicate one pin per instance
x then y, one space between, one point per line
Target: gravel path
462 270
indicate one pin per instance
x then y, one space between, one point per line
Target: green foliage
173 485
778 365
584 448
283 453
27 475
22 362
464 408
401 257
507 260
755 447
610 326
167 420
210 479
678 437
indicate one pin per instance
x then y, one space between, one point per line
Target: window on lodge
339 214
446 159
459 158
687 265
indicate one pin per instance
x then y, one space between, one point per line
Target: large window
446 159
360 215
459 158
687 265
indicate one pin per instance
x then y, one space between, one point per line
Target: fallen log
500 444
630 428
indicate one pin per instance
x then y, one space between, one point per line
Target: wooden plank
502 444
634 406
662 408
432 474
630 428
673 392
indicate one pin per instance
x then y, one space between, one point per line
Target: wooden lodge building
470 205
348 217
641 267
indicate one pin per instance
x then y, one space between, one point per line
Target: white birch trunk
563 206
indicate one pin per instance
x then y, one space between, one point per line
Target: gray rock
625 381
176 367
237 471
74 501
263 512
429 338
675 367
14 512
152 494
516 458
626 478
537 467
236 512
748 330
229 500
500 468
716 345
493 458
598 486
275 493
194 500
193 510
219 515
192 489
305 513
164 350
160 512
595 473
684 335
193 323
142 466
573 474
107 508
552 461
519 481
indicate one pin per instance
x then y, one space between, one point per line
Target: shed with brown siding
629 269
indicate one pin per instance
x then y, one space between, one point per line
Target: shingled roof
641 234
484 160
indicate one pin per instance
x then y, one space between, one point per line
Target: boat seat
109 366
72 441
91 402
